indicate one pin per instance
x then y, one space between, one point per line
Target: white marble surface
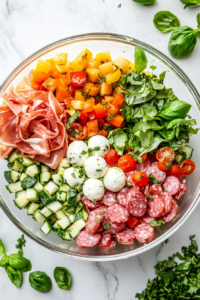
26 26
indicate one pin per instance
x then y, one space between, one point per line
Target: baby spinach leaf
2 249
18 262
40 281
140 59
165 21
118 138
190 3
175 109
145 2
63 278
21 242
15 276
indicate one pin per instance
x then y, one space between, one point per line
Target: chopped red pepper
99 111
78 78
91 116
73 89
101 123
83 118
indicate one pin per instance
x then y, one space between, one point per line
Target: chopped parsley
149 196
111 117
128 183
101 212
90 150
81 173
73 175
115 196
84 56
74 133
96 219
98 170
106 226
153 180
84 152
102 79
156 223
102 219
21 242
168 166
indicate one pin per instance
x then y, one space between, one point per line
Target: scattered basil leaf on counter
119 5
2 249
19 262
72 119
40 281
14 275
190 3
140 59
145 2
21 242
165 21
156 223
63 278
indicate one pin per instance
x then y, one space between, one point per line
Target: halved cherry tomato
175 170
187 167
165 152
144 156
140 179
112 157
126 163
132 222
83 117
164 164
78 78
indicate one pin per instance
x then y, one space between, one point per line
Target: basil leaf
63 278
118 138
140 60
178 122
145 2
165 21
21 242
15 276
162 76
153 179
2 249
175 109
4 261
190 3
18 262
156 142
182 41
40 281
146 126
72 119
198 20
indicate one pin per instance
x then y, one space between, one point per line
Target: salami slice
86 239
105 240
100 229
167 199
172 185
183 188
109 198
156 172
146 219
90 203
155 207
121 196
117 213
170 215
126 237
87 209
136 203
95 218
129 178
108 226
143 167
111 245
117 225
144 233
155 189
146 190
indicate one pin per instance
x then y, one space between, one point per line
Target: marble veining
26 26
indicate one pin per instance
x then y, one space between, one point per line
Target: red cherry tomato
144 156
132 222
175 170
126 163
187 167
140 179
165 152
164 164
112 157
78 78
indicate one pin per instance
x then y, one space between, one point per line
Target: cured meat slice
143 167
155 207
87 209
144 233
167 199
129 178
170 215
136 203
126 237
155 189
108 226
105 240
87 239
156 172
146 219
90 203
95 218
100 229
117 225
172 185
183 188
146 190
117 213
121 196
109 198
111 245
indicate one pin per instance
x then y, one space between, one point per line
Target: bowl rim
190 86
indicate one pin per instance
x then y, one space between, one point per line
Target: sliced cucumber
11 176
36 162
21 202
28 182
38 217
46 212
56 225
85 214
54 206
64 188
44 168
60 214
60 170
45 197
23 175
45 176
51 187
58 179
38 187
32 208
80 224
52 218
78 216
64 163
64 222
20 193
33 171
13 156
17 166
79 206
32 195
14 187
66 236
25 161
70 209
72 218
46 227
73 231
188 151
78 198
61 196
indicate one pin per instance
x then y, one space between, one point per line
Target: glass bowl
182 87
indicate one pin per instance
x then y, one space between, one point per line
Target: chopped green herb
73 175
168 166
156 223
96 219
72 119
106 226
102 219
90 150
84 152
149 196
98 170
21 242
102 79
74 133
119 5
111 117
101 212
153 180
153 68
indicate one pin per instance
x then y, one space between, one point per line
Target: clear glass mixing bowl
182 87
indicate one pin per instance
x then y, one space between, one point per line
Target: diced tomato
165 152
42 88
175 170
88 105
92 128
115 120
164 164
111 109
62 92
132 222
83 117
112 157
126 163
78 78
118 99
91 115
187 167
144 156
77 132
101 122
99 111
140 179
103 132
74 89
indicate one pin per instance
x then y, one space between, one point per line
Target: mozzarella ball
95 167
101 143
77 153
114 180
73 176
93 189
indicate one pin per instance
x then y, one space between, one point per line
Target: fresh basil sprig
40 281
18 262
63 278
15 276
140 59
165 21
190 3
145 2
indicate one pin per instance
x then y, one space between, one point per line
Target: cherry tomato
78 78
187 167
126 163
165 152
175 170
112 157
152 157
144 156
132 222
164 164
140 179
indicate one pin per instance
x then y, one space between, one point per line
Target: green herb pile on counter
176 280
